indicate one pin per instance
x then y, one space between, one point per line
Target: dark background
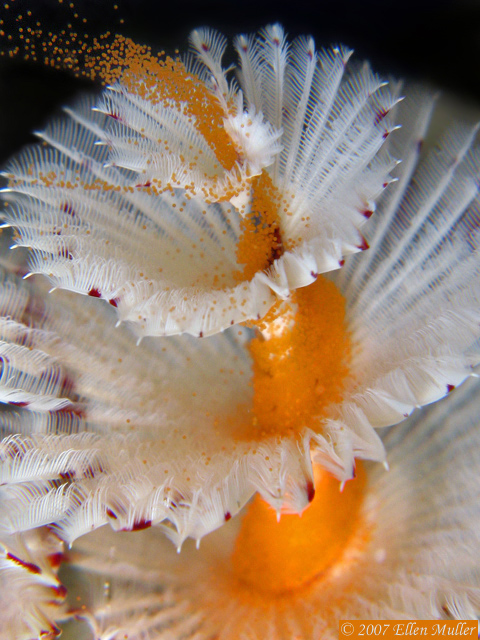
433 42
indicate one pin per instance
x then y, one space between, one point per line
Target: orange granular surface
275 557
260 242
300 373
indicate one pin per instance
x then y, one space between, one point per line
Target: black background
433 42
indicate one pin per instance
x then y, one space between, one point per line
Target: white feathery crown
169 265
127 406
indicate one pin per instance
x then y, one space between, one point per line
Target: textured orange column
275 557
300 371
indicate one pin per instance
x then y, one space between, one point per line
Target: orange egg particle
276 557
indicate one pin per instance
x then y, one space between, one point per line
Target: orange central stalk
275 557
300 371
